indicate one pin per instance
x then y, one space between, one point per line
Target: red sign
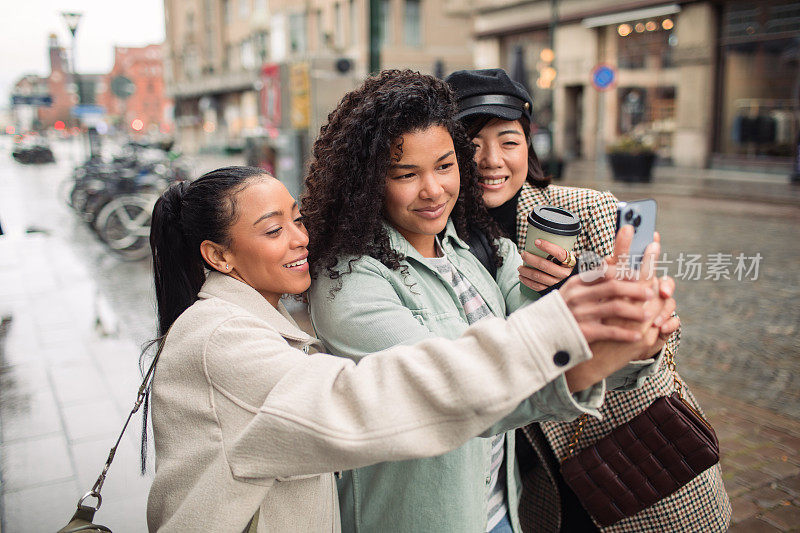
271 94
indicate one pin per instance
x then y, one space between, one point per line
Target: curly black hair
343 203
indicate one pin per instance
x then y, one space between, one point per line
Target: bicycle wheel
124 225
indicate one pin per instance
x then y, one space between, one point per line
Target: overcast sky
26 24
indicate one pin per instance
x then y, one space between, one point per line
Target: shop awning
628 16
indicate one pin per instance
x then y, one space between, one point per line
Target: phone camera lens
637 221
628 216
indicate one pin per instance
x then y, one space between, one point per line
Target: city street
69 355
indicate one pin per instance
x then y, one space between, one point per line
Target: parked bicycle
116 197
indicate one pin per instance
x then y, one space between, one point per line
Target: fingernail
649 292
658 321
537 242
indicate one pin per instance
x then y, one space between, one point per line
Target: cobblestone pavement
739 338
65 387
760 455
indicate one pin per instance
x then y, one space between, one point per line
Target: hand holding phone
641 214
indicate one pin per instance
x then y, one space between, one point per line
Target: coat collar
231 290
401 245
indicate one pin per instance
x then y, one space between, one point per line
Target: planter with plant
631 159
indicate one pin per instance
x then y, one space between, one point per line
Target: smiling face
422 186
502 157
269 242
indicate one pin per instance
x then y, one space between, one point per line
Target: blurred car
30 150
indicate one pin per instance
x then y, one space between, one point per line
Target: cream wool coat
245 419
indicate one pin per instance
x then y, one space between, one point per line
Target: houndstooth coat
701 505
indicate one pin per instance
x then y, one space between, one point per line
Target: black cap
489 92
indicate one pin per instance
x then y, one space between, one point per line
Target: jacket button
561 358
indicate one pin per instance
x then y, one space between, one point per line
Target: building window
209 46
320 22
297 32
260 40
248 54
646 43
244 8
191 64
411 23
338 17
354 19
226 11
648 112
757 118
231 58
386 21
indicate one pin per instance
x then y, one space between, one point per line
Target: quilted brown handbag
642 461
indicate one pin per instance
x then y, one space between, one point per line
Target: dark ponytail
184 216
177 274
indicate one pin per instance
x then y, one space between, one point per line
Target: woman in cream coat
250 423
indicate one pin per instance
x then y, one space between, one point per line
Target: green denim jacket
375 308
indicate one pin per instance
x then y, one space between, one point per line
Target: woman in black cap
496 112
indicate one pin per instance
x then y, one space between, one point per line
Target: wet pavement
79 316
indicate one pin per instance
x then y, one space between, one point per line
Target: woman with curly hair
392 199
496 112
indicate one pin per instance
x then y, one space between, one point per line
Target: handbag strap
144 389
678 388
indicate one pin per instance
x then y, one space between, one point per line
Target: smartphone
641 214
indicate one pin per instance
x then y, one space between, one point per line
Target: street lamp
72 19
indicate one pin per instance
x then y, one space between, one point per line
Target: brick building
59 86
148 103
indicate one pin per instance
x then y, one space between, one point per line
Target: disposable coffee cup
554 224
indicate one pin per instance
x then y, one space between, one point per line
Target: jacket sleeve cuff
587 401
632 375
549 327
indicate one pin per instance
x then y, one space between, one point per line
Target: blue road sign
85 110
603 77
44 100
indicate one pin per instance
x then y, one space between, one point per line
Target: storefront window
760 64
648 113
